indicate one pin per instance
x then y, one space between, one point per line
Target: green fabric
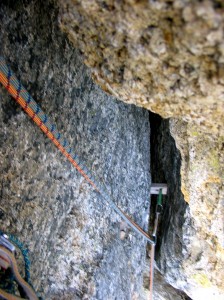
160 198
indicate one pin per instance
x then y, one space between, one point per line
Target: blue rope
25 253
9 284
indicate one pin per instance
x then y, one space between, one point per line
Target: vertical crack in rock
168 56
75 251
186 250
165 168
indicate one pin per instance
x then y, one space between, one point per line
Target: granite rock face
162 290
73 236
202 180
167 56
190 248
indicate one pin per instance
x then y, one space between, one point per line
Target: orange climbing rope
19 93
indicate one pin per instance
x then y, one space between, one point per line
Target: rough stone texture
202 172
162 290
165 164
73 237
167 56
190 250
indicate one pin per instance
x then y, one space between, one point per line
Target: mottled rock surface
162 290
167 56
74 238
190 248
202 184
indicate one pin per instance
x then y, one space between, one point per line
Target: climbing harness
159 208
7 260
19 93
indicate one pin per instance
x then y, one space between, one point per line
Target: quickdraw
159 208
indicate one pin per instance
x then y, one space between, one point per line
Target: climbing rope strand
25 254
151 276
159 208
9 257
19 93
7 296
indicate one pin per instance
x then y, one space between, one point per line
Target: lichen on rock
168 57
202 186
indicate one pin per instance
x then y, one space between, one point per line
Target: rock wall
167 56
165 164
190 253
202 186
162 290
74 238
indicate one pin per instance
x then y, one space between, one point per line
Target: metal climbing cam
160 190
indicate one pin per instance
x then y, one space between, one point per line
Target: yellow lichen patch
185 193
220 252
202 279
194 133
213 179
145 41
213 160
